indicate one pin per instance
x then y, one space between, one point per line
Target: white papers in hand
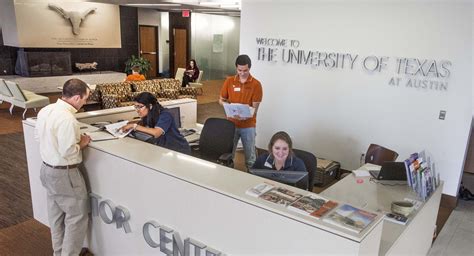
237 109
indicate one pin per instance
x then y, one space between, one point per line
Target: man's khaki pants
67 208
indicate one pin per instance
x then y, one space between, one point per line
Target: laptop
292 178
390 171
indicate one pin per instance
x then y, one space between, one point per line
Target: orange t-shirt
246 93
135 77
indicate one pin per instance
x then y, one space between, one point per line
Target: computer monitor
175 112
292 178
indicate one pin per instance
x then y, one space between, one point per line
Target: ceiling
218 7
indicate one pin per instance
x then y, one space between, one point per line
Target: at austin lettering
419 83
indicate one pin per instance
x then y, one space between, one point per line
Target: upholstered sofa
112 95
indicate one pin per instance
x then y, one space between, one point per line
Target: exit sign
185 13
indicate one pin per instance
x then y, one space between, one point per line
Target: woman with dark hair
280 155
191 73
158 121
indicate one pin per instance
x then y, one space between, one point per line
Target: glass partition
215 44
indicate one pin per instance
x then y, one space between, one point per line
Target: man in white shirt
60 147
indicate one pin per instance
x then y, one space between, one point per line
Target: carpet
206 110
15 197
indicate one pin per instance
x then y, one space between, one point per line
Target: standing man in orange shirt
245 89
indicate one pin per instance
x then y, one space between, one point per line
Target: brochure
237 109
281 196
259 189
113 132
312 205
350 218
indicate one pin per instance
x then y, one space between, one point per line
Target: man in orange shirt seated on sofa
135 76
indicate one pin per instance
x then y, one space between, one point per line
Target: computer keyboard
186 132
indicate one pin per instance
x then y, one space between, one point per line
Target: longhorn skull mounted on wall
74 17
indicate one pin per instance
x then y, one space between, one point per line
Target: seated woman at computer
191 73
280 155
158 122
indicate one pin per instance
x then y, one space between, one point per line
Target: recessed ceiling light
210 3
171 5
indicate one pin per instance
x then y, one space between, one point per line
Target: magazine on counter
259 189
281 196
109 132
312 205
350 218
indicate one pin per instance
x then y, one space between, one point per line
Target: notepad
101 135
361 173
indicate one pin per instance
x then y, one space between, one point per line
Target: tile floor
457 235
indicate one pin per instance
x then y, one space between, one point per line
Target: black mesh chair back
378 155
217 139
310 162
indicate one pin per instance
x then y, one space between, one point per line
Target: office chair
179 74
216 142
378 155
310 162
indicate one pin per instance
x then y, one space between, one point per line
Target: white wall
216 63
8 22
337 113
152 17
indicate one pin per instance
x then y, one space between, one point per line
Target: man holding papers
60 143
246 91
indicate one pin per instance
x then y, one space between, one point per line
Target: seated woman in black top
280 155
157 121
191 73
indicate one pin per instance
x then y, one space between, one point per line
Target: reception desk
414 238
147 200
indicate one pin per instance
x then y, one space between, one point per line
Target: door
149 48
180 48
469 161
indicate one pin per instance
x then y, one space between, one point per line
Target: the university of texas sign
428 74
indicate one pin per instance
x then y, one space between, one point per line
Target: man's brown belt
62 166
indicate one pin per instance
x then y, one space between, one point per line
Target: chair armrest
226 157
194 145
195 85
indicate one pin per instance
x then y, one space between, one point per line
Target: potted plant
141 62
